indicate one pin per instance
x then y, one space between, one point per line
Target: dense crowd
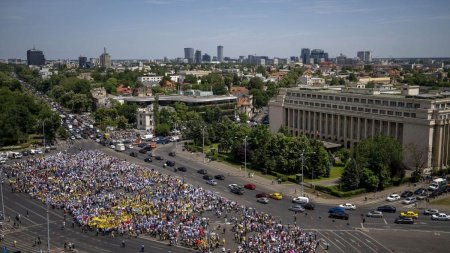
112 196
122 135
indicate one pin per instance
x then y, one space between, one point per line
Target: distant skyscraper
35 57
318 55
220 53
82 62
189 54
198 56
365 56
305 55
105 60
206 58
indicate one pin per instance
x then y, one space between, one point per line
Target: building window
325 97
322 105
374 110
401 104
390 113
356 100
393 103
363 101
308 95
314 96
330 98
406 114
347 108
409 105
398 114
360 109
341 107
385 102
337 98
416 105
349 99
354 108
377 102
334 106
367 110
370 101
382 112
328 105
344 99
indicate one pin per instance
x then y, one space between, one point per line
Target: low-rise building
100 98
145 118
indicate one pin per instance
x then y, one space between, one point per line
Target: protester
112 196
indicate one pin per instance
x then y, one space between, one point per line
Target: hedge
332 190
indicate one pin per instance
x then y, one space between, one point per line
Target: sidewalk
292 190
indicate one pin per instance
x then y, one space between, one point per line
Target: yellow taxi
409 214
276 196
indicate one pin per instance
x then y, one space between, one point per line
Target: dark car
403 220
238 191
148 160
183 169
202 171
262 195
420 191
435 193
387 209
170 163
133 154
172 154
142 151
159 158
336 210
219 177
339 215
407 194
25 153
308 206
207 177
142 145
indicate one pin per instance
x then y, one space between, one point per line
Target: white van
300 200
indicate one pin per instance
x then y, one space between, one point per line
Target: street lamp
303 161
203 146
48 229
245 155
1 192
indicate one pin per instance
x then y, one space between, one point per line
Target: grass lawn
336 172
442 202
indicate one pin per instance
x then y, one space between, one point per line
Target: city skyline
277 28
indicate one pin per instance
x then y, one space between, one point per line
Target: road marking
339 248
385 222
21 216
372 249
437 233
375 241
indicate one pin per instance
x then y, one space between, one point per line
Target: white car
234 186
112 146
39 151
375 214
348 206
300 200
263 200
440 217
211 182
393 197
409 200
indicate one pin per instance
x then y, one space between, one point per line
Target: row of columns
341 128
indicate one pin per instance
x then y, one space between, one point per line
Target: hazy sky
157 28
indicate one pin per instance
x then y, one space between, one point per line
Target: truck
120 147
438 183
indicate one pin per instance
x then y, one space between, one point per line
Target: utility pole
1 192
48 229
203 146
303 154
245 155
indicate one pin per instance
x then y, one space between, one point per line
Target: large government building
421 122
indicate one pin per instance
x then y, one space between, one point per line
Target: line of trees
22 114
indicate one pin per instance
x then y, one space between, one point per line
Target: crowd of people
110 196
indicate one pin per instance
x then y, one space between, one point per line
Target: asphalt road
375 235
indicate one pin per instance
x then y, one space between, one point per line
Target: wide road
375 235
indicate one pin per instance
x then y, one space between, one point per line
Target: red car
262 195
250 186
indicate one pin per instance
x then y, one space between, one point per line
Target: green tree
352 77
350 179
190 79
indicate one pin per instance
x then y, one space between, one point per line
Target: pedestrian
123 243
142 248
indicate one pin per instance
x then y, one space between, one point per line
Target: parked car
219 177
202 171
262 195
393 197
170 163
348 206
133 154
407 194
409 214
148 160
409 200
276 196
142 151
172 154
207 177
159 158
250 186
238 191
420 191
404 220
263 200
336 209
211 182
375 214
300 200
440 217
430 212
182 168
387 209
308 206
297 208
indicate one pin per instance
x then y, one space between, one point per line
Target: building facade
305 55
198 57
144 118
365 56
419 121
220 53
35 57
189 54
105 59
82 62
